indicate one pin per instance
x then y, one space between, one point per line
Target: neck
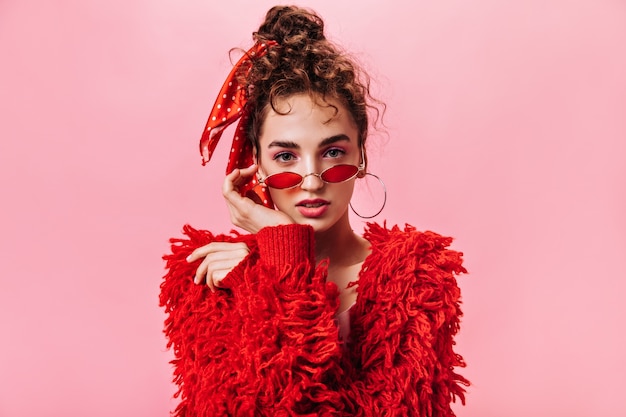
340 245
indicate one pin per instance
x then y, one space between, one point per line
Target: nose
312 182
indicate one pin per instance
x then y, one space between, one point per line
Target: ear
363 164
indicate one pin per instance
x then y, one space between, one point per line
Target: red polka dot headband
229 107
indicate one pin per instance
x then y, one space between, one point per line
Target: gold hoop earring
384 199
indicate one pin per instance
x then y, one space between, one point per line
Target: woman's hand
219 259
244 212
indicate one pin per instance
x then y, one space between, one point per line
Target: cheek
346 189
280 198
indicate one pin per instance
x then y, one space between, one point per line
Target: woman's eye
334 153
284 157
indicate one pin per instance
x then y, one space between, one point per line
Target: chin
325 223
317 225
331 219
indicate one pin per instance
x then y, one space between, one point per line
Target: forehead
303 117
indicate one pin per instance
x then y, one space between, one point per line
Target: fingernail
188 259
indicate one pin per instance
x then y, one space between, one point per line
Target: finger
238 205
219 255
215 277
226 247
222 251
201 252
201 272
218 269
240 176
209 278
221 267
199 276
218 277
213 247
206 268
198 253
244 174
209 283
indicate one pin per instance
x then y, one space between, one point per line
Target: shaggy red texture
269 345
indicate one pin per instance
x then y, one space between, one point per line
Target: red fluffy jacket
269 345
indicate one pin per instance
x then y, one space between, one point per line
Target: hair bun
290 25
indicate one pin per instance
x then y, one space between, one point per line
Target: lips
318 202
312 208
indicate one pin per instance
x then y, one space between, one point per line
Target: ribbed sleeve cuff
289 244
235 276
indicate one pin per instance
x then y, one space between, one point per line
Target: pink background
506 129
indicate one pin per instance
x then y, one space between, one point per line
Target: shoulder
405 260
410 275
412 248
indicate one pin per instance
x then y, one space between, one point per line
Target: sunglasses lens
283 180
339 173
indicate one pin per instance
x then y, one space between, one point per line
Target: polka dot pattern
228 108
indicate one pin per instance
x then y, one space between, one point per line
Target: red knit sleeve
407 317
198 326
286 245
289 338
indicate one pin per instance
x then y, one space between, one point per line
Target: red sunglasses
333 175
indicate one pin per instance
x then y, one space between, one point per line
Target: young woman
301 316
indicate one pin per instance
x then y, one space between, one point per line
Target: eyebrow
292 145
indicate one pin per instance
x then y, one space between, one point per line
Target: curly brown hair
303 61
